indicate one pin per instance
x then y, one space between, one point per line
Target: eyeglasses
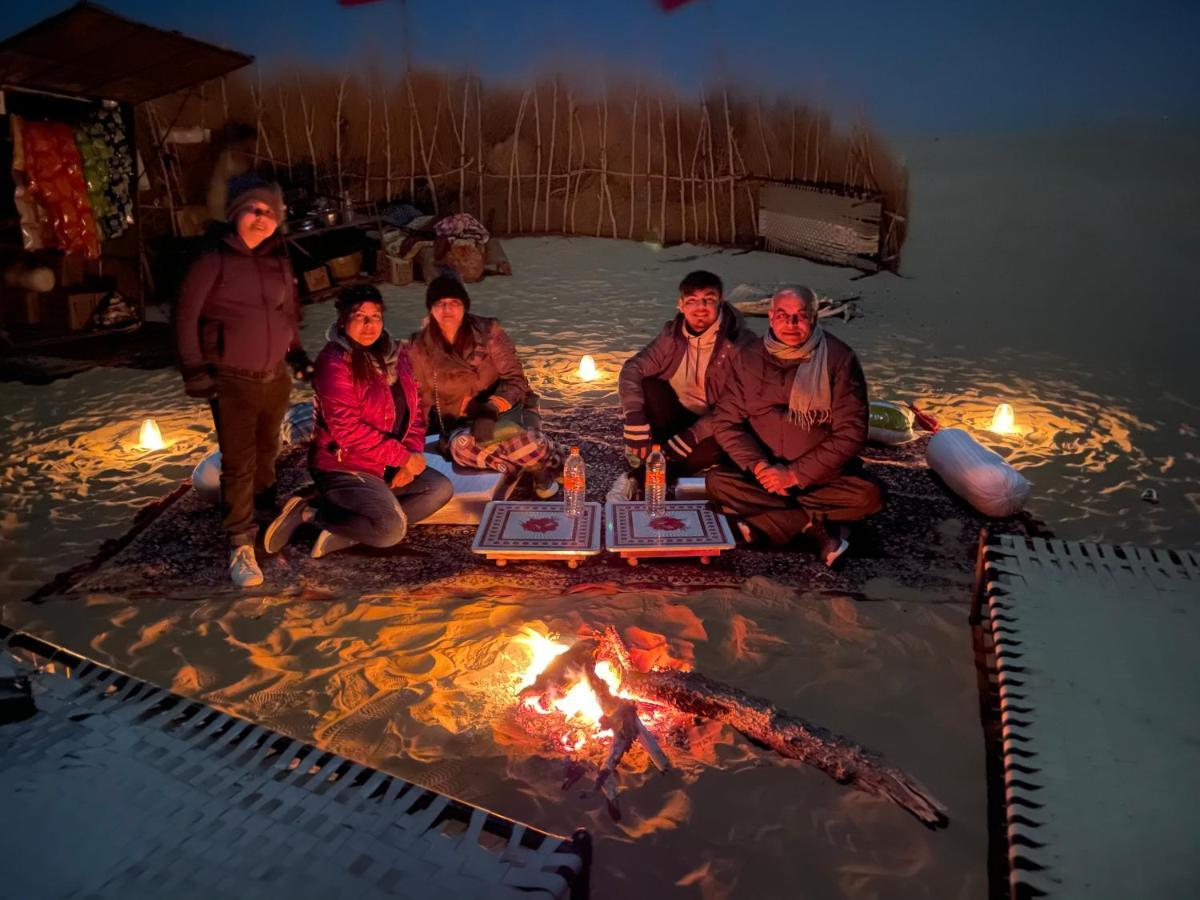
261 212
697 302
789 318
447 305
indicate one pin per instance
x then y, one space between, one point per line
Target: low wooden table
684 528
530 530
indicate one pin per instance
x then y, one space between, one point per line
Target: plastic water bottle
656 482
574 483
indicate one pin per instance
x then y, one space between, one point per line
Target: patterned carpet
925 539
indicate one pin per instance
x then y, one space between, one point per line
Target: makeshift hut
72 92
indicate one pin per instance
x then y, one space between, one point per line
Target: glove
483 420
484 428
301 365
680 446
198 382
637 435
415 464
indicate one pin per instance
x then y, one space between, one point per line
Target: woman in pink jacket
367 454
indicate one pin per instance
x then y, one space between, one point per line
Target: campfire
587 700
574 699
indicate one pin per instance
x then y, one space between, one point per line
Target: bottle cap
574 449
655 448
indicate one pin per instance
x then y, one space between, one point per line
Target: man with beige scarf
793 419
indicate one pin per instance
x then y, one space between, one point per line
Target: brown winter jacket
491 371
663 355
238 310
752 423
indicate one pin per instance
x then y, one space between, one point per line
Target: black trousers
667 417
851 496
248 414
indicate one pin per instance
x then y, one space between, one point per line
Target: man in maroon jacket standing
237 325
793 419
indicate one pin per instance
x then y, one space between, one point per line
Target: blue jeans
366 509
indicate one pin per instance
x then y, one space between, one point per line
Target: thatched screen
626 161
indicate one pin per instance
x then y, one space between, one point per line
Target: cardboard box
316 279
71 312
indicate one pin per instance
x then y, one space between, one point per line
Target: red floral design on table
666 523
540 525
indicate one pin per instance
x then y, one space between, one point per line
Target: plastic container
574 483
656 482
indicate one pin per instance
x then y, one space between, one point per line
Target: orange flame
580 706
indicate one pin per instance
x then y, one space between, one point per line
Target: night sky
912 68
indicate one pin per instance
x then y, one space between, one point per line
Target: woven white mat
1098 652
115 788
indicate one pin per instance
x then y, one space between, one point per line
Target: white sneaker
623 488
328 542
243 567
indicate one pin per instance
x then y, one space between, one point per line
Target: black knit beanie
444 287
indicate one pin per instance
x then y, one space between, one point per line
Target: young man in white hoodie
670 387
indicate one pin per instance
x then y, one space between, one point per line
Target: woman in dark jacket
237 325
368 451
475 391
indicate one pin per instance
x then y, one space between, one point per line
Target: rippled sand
424 684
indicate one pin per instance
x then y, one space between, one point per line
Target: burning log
761 721
554 681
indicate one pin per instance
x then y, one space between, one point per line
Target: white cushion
473 490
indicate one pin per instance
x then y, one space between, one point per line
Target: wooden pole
337 127
792 166
633 160
732 175
479 141
649 185
749 194
537 165
370 134
310 123
692 184
762 136
679 157
662 200
387 145
570 159
512 160
412 143
601 124
462 150
550 163
281 99
416 117
817 150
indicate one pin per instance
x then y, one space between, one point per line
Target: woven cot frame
1032 591
239 810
